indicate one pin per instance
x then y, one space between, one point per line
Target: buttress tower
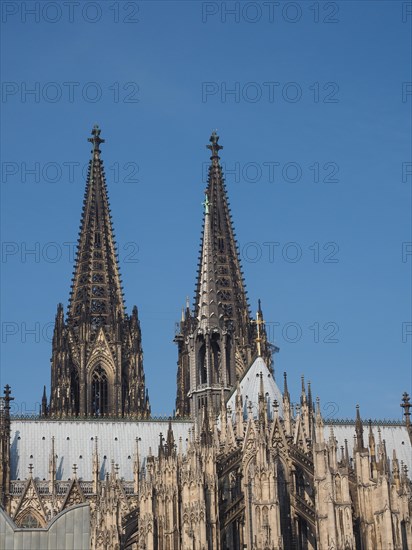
217 339
97 357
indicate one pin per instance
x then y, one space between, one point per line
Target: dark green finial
206 204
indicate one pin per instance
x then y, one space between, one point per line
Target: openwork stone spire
96 290
233 303
220 295
97 357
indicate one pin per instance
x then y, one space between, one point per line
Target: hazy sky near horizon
312 102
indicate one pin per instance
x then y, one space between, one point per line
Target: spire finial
347 461
259 321
7 394
250 409
43 407
406 406
96 139
214 147
359 430
6 402
285 384
310 402
261 386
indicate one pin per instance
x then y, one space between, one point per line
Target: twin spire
96 302
219 248
96 287
97 357
220 265
221 307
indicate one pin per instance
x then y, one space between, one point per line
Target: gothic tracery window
284 503
100 404
28 520
97 278
229 381
97 240
98 306
97 290
96 322
215 374
202 365
75 391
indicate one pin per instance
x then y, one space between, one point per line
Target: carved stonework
74 495
228 308
249 470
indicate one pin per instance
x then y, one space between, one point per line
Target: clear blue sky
318 95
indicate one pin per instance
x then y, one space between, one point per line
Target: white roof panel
250 388
396 437
74 442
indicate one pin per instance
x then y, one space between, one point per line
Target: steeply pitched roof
250 389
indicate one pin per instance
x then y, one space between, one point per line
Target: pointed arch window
75 391
215 374
202 365
125 396
100 403
300 482
97 240
284 503
229 381
29 520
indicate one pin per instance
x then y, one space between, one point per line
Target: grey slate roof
116 439
249 387
396 437
74 443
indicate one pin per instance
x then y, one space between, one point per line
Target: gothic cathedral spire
219 251
233 303
96 289
97 357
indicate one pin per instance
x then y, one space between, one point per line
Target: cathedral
239 464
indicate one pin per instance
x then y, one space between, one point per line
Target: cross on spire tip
96 139
214 144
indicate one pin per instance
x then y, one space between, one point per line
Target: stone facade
239 466
249 479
